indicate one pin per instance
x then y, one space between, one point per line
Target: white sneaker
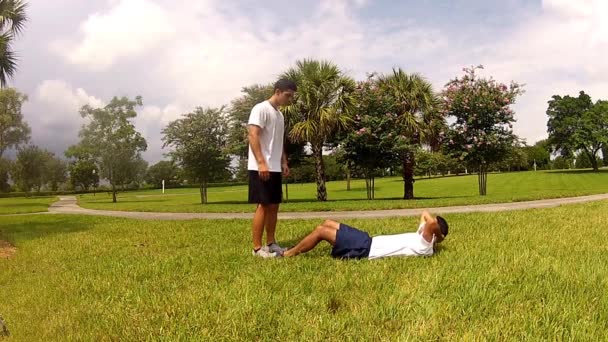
274 247
264 253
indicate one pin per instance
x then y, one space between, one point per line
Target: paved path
68 205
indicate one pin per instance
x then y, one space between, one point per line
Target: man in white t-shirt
267 161
351 243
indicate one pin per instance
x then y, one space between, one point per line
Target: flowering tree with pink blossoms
482 132
368 147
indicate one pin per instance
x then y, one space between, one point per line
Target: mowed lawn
20 205
523 275
435 192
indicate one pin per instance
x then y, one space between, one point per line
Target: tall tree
418 120
131 172
55 172
12 22
199 143
322 106
577 125
482 133
538 153
110 138
369 147
5 170
83 174
13 129
163 170
28 170
516 158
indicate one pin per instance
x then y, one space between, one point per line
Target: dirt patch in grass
7 250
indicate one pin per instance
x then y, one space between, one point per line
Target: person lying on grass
351 243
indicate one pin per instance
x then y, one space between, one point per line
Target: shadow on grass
41 228
578 172
119 201
19 205
439 247
309 201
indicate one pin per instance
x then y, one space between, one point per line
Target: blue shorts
351 243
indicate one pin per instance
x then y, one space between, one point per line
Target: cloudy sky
179 54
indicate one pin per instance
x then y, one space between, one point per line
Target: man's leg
321 233
331 224
271 213
257 227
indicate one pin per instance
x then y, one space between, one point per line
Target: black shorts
265 192
351 243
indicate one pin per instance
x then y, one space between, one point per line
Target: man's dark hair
284 84
443 225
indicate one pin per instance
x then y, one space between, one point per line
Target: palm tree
12 22
418 119
323 105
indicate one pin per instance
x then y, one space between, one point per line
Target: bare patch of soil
7 249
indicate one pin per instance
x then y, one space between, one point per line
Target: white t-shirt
272 123
408 244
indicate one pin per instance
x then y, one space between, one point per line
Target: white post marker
163 186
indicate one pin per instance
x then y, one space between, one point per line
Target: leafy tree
55 172
163 170
13 130
111 140
5 169
582 161
417 120
516 159
83 174
561 162
369 148
539 153
28 171
131 172
576 124
200 144
12 22
323 105
482 133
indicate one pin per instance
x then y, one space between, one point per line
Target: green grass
446 191
21 205
523 275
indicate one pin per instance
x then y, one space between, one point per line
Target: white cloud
559 51
130 28
59 94
53 114
150 122
210 49
202 52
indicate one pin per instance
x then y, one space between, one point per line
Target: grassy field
20 205
528 275
446 191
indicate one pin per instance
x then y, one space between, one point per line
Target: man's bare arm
254 142
284 163
425 217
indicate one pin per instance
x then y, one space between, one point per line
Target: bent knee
331 223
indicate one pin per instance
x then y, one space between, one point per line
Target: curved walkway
68 205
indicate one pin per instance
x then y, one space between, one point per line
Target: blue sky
179 54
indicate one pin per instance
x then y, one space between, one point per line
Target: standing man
267 160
